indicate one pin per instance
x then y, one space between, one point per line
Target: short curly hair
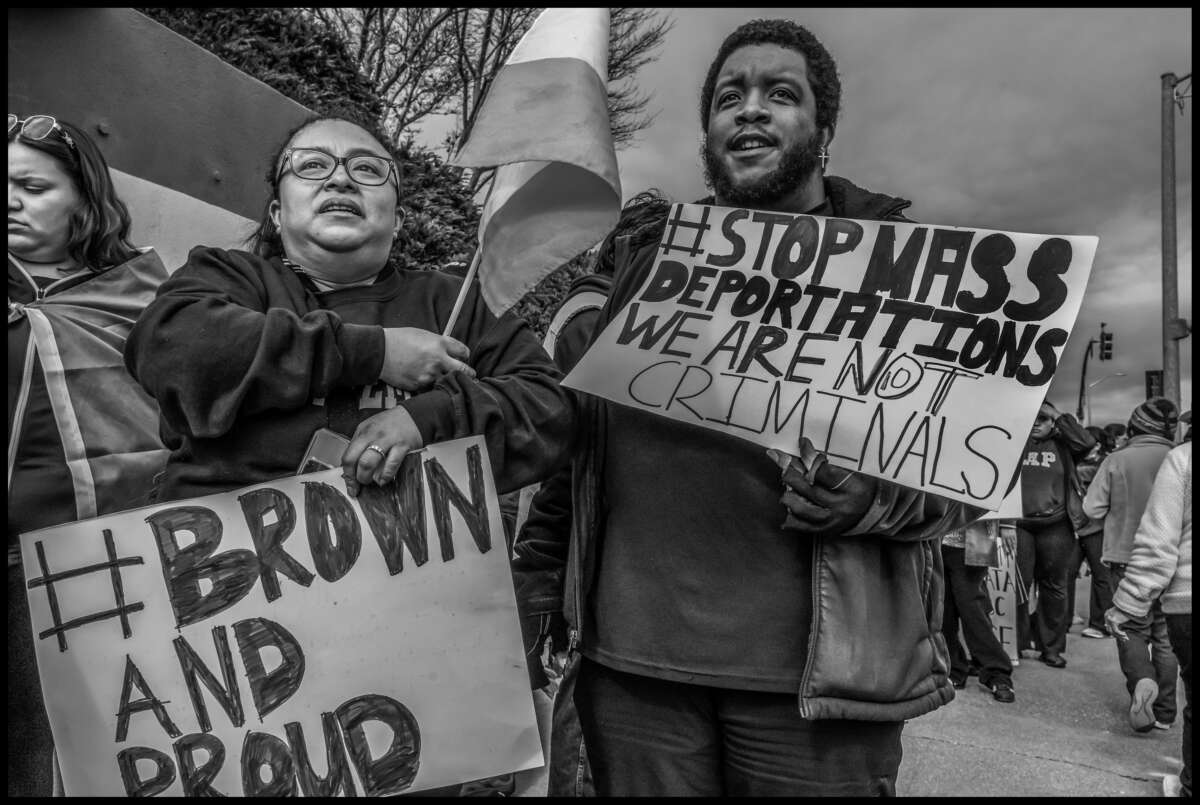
822 69
641 220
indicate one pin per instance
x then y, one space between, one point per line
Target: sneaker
1172 787
958 684
1141 714
1094 633
1076 620
1056 661
1002 691
1162 725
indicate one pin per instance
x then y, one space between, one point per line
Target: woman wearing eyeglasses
82 437
250 353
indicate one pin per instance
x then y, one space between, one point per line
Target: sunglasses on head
37 127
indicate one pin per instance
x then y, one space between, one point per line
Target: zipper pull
16 311
572 640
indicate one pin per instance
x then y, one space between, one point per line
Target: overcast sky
1042 121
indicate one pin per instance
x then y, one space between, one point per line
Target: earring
823 155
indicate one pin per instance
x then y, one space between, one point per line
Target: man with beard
703 590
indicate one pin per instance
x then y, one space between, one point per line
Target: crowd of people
749 628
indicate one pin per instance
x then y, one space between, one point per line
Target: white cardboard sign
911 352
287 638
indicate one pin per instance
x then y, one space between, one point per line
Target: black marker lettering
231 573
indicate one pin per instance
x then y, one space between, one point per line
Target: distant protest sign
914 353
285 638
1006 592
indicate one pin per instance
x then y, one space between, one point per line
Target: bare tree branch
425 61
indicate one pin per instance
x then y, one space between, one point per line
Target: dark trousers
570 775
1147 654
651 737
1090 548
29 741
1043 556
966 603
1180 629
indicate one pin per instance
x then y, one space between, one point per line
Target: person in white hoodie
1161 569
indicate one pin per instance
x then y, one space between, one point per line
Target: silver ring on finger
377 449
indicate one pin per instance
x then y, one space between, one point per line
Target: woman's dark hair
98 236
265 240
641 220
822 69
1103 438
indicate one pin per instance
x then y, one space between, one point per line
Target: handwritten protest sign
1005 591
914 353
286 638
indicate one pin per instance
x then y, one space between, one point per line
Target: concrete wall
188 137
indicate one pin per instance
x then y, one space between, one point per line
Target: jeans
1043 556
1090 547
570 773
1146 654
1180 629
652 737
966 602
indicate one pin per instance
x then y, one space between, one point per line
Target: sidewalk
1066 735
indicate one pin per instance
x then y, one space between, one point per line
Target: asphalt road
1066 735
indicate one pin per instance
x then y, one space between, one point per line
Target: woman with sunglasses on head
250 352
82 437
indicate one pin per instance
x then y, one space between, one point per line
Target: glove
822 499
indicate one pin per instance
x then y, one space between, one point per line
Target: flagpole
462 292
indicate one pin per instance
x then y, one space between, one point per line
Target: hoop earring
823 155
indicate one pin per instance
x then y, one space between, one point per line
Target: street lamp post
1173 327
1091 386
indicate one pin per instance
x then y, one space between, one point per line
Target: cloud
1027 120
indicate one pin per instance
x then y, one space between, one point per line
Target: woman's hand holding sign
378 448
820 498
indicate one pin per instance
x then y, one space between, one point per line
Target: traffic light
1106 346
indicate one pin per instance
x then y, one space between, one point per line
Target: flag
544 127
108 424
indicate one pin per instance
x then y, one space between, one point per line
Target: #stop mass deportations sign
286 638
918 354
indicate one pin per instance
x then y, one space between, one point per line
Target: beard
797 165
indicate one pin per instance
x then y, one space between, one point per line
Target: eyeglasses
316 165
38 127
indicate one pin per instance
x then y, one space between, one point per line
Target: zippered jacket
1119 492
876 650
71 335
